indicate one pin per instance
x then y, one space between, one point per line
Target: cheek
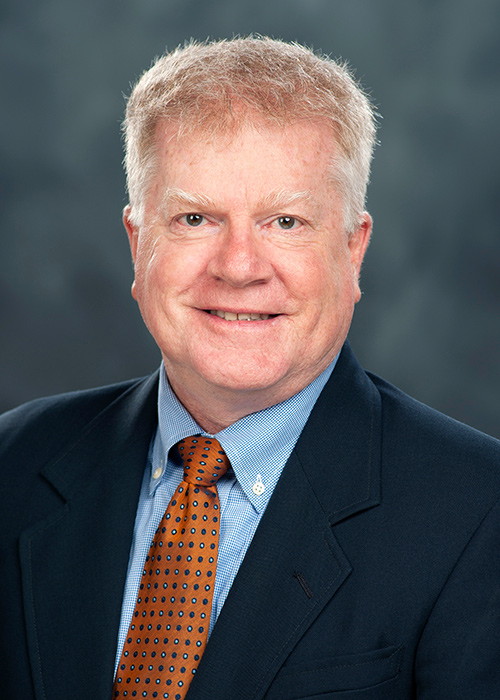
152 282
331 291
144 260
156 268
320 279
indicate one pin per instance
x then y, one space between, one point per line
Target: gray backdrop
428 320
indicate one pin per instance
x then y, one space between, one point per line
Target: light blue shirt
258 447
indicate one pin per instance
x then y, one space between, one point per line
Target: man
357 553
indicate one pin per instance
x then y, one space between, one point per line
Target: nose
240 257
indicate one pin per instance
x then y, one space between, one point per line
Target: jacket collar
340 447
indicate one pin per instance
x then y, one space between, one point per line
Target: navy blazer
373 575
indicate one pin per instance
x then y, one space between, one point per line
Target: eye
193 219
287 222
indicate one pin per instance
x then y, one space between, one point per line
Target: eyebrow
276 199
283 198
177 196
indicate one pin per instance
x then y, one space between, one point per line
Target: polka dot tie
169 628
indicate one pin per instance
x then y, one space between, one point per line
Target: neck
216 408
213 413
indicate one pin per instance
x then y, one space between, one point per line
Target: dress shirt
258 447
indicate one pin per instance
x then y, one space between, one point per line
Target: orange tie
169 627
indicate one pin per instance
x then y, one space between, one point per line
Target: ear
358 243
131 229
133 236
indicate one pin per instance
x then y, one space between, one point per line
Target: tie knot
203 459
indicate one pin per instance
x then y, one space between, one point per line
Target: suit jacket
373 575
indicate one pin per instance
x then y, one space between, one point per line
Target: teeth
231 316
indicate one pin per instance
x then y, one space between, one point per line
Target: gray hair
198 86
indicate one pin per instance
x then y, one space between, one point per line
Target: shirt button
157 473
258 488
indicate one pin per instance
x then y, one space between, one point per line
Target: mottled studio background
429 318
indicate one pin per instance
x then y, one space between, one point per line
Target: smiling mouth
244 316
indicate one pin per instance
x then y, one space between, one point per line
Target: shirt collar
257 445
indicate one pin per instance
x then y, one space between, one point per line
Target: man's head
217 87
246 222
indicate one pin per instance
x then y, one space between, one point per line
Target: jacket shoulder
423 433
43 425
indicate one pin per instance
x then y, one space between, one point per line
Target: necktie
169 628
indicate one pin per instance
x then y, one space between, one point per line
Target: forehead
255 153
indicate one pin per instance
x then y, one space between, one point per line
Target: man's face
243 272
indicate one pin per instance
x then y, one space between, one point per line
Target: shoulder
44 424
441 451
412 418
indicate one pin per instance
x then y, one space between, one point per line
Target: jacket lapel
294 565
71 617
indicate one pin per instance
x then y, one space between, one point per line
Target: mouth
242 316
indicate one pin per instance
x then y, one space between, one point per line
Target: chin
245 376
